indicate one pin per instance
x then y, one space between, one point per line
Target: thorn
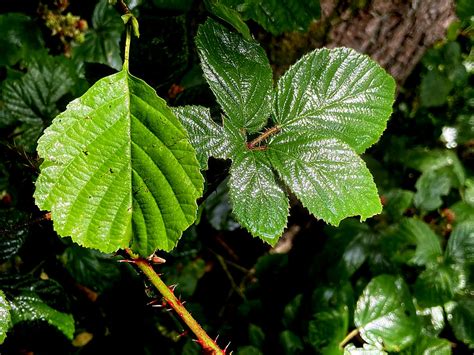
172 287
184 333
126 261
152 302
168 309
156 259
217 337
227 346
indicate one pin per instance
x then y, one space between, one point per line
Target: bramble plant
121 172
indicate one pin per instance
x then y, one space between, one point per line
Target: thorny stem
268 133
349 336
209 345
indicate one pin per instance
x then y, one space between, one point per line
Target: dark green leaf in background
397 202
460 315
20 38
102 41
460 248
228 14
429 346
385 314
29 307
327 329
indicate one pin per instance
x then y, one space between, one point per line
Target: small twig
265 135
349 336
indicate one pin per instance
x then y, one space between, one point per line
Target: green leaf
337 93
219 210
229 15
248 350
291 311
187 276
118 168
207 137
429 346
278 16
438 97
327 176
12 233
385 314
102 41
5 317
460 248
327 329
256 336
32 99
465 9
290 343
20 38
91 268
432 320
428 248
460 315
463 212
436 286
398 201
29 307
427 160
367 349
431 186
260 203
238 73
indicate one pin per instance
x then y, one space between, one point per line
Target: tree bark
395 33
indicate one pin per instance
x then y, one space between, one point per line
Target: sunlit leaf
118 169
330 179
337 93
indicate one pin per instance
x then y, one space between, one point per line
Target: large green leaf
385 314
327 176
20 37
366 350
207 137
5 317
102 41
260 203
460 248
29 307
338 93
238 73
228 14
118 168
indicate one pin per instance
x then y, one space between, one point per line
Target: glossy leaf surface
259 201
385 314
118 169
330 179
29 307
207 137
429 346
338 93
238 73
5 317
